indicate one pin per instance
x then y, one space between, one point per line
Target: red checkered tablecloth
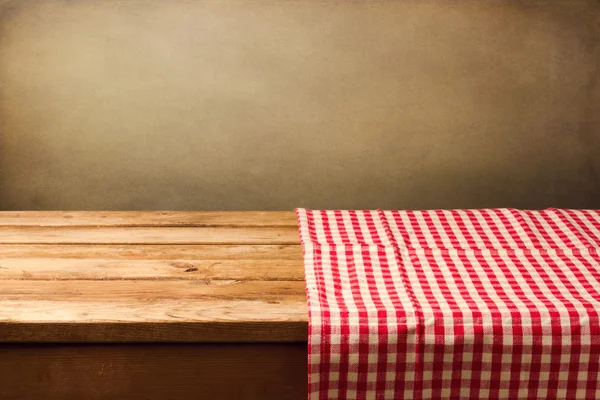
460 304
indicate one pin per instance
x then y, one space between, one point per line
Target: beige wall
159 104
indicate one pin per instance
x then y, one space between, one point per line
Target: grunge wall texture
271 105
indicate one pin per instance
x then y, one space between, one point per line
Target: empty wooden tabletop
151 277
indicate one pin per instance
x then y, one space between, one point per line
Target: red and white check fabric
461 304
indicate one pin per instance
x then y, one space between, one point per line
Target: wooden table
151 305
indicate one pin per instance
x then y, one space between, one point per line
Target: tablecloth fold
453 304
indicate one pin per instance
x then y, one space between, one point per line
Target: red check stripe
453 304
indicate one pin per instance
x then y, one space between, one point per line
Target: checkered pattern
462 304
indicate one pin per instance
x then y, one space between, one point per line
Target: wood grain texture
188 269
206 290
153 251
151 328
108 277
208 311
148 235
153 372
149 218
144 320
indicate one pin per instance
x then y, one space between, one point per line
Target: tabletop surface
151 277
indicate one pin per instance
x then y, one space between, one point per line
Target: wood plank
211 279
112 235
153 251
108 311
150 291
154 371
149 218
135 321
207 327
111 269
